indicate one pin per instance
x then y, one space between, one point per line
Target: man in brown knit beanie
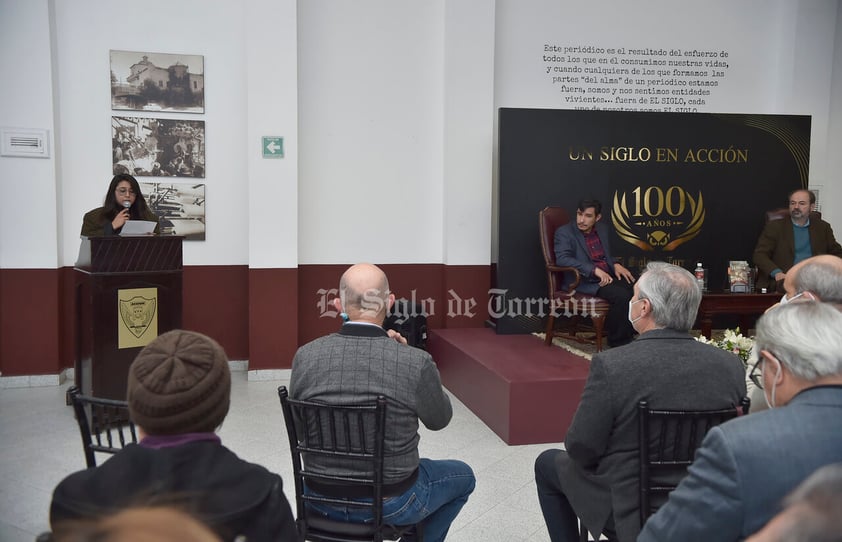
179 391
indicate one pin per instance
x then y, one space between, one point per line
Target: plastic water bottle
700 276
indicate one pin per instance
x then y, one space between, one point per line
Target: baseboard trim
41 381
263 375
31 381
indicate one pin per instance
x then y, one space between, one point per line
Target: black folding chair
103 424
340 431
668 440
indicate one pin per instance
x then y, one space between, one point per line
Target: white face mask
807 295
633 320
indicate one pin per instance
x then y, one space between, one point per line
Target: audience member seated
812 513
153 524
179 390
815 279
747 465
596 478
820 276
364 361
585 246
784 243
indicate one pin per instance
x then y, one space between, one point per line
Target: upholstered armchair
567 304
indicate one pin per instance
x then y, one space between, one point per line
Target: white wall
28 211
468 129
396 108
272 105
370 124
832 196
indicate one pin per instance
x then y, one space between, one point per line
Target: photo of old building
157 82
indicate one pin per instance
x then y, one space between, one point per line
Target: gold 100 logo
652 218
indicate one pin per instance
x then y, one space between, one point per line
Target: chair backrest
355 433
549 220
104 424
667 441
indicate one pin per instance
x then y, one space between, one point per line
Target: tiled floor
39 445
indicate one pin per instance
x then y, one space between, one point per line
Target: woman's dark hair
139 209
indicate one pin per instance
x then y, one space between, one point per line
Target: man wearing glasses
747 465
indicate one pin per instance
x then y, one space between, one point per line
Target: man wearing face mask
747 465
817 279
595 479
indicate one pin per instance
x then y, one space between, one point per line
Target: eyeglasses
124 191
756 373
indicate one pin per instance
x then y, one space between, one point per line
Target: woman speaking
123 202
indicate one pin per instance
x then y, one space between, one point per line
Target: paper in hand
138 227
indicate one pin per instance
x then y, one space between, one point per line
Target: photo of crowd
158 147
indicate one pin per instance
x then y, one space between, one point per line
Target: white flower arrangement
732 341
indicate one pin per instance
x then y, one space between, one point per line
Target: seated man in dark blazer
746 466
584 245
595 479
784 243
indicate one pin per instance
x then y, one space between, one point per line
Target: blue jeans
440 491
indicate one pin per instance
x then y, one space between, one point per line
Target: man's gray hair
820 278
673 293
815 507
805 337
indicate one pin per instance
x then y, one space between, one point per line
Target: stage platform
524 391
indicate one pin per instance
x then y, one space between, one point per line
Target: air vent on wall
26 142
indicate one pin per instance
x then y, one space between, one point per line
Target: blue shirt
803 250
802 242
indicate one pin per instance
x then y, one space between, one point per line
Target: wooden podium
128 291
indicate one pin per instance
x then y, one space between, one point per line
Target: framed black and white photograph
157 82
180 208
154 147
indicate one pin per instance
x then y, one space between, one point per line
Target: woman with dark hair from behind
114 213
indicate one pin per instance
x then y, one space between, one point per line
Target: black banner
677 187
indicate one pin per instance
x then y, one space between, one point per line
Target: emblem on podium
138 316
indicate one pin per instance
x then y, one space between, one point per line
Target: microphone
126 205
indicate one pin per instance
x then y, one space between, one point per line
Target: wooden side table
744 305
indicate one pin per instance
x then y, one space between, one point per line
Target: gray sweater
358 364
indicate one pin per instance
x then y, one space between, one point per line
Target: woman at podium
123 202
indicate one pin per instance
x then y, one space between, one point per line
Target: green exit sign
273 147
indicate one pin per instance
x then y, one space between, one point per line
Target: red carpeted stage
526 392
